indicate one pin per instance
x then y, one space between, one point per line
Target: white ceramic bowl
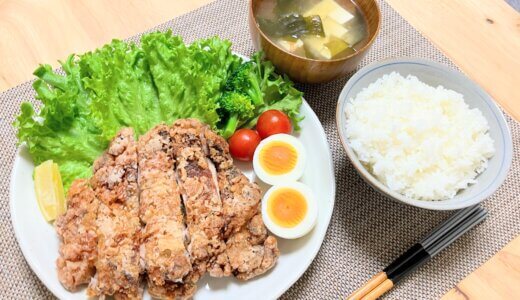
436 74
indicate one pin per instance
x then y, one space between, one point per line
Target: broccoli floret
247 80
252 88
238 108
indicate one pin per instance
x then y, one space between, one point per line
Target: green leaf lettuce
127 85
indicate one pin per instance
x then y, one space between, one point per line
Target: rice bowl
421 141
435 74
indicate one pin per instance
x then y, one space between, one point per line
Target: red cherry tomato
242 144
272 122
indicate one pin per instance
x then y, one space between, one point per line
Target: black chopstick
436 241
434 234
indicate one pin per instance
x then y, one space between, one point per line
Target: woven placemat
366 231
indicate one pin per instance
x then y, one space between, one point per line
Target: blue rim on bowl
435 74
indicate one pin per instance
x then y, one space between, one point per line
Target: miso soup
317 29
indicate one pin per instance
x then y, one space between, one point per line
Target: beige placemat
366 231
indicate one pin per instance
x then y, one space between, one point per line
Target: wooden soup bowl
307 70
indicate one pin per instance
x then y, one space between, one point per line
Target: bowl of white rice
424 134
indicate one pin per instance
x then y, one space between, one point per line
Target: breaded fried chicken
196 178
249 250
172 207
77 232
240 197
115 185
163 239
174 291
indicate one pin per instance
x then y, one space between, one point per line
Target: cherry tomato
272 122
242 144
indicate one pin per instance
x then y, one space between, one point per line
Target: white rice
420 141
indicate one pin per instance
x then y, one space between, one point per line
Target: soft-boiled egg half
279 158
289 210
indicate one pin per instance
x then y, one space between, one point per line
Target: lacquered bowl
308 70
435 74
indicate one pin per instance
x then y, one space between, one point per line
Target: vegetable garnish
161 80
253 88
243 143
273 122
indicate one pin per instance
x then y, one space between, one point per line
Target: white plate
39 242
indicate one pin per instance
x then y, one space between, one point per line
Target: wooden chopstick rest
375 281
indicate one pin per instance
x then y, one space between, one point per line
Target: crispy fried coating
250 251
199 192
173 207
173 291
115 185
164 234
77 232
240 197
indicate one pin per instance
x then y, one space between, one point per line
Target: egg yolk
286 207
278 158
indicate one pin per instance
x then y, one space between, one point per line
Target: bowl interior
435 74
370 11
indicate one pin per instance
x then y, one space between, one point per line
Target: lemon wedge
49 190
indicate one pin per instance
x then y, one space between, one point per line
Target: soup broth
317 29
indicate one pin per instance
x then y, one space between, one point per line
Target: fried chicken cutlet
173 207
77 232
199 189
250 250
240 197
115 185
202 208
164 234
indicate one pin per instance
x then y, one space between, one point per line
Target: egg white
308 222
294 174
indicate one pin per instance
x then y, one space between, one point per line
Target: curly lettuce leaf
189 79
278 93
128 85
63 130
121 85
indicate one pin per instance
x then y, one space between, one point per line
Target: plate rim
333 202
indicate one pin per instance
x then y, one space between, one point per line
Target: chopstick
437 240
